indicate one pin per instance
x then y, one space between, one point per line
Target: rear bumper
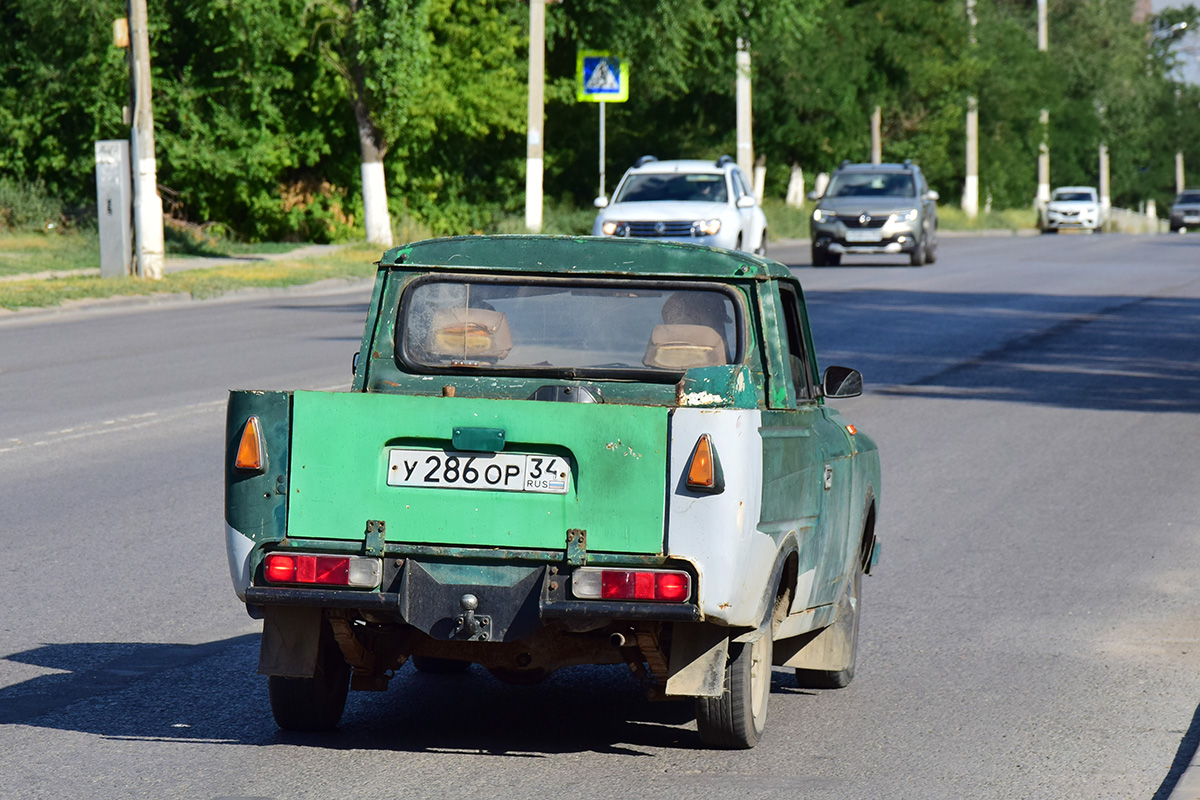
391 602
432 597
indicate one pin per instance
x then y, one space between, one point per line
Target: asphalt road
1031 631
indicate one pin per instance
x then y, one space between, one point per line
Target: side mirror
354 364
932 195
746 201
813 196
600 202
841 382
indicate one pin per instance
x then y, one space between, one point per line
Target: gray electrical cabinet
114 207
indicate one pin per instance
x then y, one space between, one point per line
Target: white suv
1073 207
701 202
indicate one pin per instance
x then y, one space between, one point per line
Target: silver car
699 202
1185 213
875 209
1073 207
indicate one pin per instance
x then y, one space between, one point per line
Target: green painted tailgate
339 465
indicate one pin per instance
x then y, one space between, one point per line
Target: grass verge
355 261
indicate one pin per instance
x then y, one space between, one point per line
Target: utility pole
970 198
1043 188
745 110
534 148
147 204
877 136
1105 186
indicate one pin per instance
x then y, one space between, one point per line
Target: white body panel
719 533
237 548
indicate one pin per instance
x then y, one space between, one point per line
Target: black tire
820 256
931 255
917 257
833 259
762 245
736 720
440 666
316 703
841 638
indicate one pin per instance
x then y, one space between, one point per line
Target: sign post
601 78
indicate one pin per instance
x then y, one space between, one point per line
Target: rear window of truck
620 329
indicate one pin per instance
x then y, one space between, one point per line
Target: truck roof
580 255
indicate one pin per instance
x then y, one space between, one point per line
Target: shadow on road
1183 758
210 694
1109 353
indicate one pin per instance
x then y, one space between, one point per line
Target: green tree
380 50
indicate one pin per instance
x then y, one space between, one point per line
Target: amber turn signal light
704 469
250 450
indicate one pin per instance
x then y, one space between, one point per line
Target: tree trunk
373 148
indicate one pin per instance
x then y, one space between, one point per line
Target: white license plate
497 472
864 236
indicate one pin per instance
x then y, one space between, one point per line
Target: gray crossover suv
1185 213
875 209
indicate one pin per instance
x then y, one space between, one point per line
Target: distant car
875 209
697 202
1185 212
1073 207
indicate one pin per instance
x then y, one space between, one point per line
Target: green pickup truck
560 451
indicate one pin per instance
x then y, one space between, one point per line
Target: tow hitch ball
471 627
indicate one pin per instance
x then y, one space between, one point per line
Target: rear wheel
820 256
762 245
837 645
736 720
316 703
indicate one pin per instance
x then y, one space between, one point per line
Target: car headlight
610 228
824 215
706 227
907 216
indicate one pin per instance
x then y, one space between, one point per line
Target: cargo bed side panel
340 461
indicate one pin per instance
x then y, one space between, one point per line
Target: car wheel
439 666
917 257
316 703
819 256
833 259
931 254
836 647
762 245
736 720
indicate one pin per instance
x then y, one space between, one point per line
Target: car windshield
1074 197
696 186
871 184
1188 197
600 329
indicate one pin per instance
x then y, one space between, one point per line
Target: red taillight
250 448
321 570
674 586
593 583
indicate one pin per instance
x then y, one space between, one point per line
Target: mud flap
290 641
698 653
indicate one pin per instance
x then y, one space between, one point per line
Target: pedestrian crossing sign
601 77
